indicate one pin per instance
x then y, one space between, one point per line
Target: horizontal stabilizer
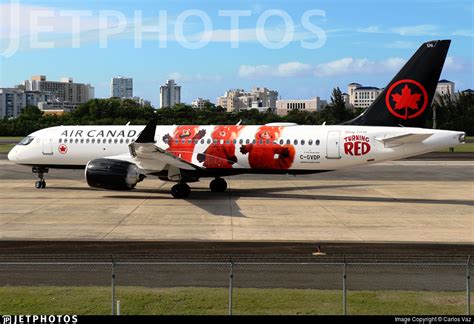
405 138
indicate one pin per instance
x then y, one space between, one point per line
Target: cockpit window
27 140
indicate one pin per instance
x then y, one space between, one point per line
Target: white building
200 103
360 96
64 90
121 87
56 107
142 102
12 101
170 94
283 107
445 87
259 98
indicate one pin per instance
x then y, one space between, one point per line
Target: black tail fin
405 100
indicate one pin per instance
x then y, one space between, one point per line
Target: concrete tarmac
395 202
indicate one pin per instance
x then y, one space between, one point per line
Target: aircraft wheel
218 185
180 190
40 184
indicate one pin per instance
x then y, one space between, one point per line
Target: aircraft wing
147 156
405 138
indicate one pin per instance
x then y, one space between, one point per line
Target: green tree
455 112
336 112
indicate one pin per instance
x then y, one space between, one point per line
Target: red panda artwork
183 141
266 153
221 152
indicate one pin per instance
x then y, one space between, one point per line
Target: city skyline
366 48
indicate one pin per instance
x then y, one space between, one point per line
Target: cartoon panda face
185 133
222 133
265 135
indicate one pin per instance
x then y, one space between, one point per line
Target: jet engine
112 174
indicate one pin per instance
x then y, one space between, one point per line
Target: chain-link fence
130 284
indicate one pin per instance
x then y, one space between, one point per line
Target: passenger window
295 142
76 141
93 140
110 141
215 141
268 141
281 142
183 141
227 142
208 141
254 141
176 141
87 141
310 142
115 141
288 142
60 140
247 141
317 142
202 140
241 141
127 141
302 142
121 141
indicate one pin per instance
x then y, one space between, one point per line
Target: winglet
148 133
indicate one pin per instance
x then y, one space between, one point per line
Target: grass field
11 138
214 301
5 148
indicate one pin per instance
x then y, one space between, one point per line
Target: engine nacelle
112 174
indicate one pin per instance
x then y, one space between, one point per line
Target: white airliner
118 157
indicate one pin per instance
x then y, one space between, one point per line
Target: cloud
417 30
288 69
456 64
351 65
369 29
402 45
464 32
58 21
347 65
413 30
178 76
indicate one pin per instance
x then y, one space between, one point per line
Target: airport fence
130 284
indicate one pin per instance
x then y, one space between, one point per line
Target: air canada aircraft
118 157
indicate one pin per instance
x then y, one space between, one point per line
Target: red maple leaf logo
406 100
62 149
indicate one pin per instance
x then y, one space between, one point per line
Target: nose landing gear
40 184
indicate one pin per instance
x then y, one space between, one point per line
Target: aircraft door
47 144
333 145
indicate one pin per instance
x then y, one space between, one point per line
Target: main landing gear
40 184
218 185
182 190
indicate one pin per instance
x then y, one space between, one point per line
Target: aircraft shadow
201 197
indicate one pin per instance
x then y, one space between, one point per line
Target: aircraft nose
12 155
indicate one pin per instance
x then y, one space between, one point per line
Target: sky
299 48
